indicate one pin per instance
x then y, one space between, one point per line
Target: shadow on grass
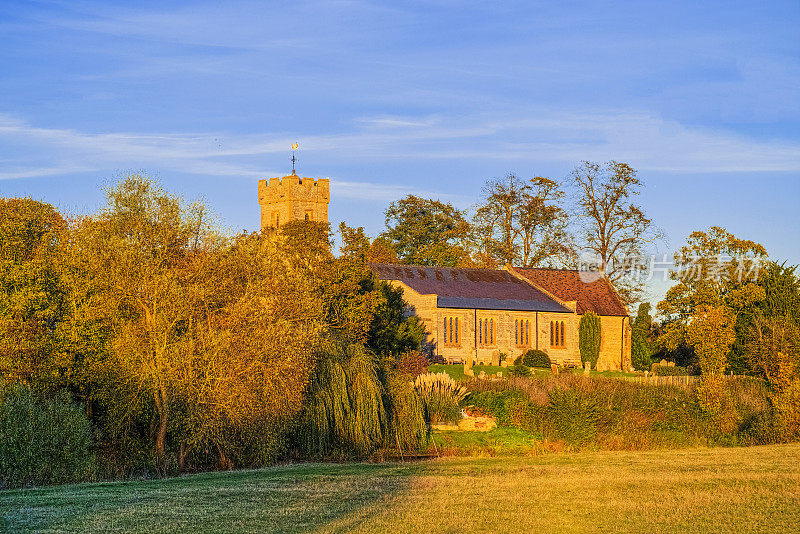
294 498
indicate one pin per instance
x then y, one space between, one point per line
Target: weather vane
294 147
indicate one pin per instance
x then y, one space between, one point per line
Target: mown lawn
702 490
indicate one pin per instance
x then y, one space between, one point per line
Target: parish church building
477 314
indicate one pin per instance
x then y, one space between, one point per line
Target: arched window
491 331
516 331
557 334
450 331
527 333
480 330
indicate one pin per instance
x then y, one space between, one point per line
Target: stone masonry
293 198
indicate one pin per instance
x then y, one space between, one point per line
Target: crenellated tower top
293 198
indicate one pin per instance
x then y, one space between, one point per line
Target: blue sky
433 98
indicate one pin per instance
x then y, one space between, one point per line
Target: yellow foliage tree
711 333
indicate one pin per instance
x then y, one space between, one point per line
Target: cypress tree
641 350
589 337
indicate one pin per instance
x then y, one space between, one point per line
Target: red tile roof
592 291
486 289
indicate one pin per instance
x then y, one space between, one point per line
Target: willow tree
589 337
345 411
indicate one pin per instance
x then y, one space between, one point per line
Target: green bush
573 416
536 358
43 440
407 423
498 404
519 370
589 338
640 357
669 370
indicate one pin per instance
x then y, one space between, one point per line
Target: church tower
293 198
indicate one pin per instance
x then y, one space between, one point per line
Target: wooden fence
679 381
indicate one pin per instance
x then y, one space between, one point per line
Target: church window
522 333
557 337
450 334
486 332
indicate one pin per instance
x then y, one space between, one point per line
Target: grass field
456 371
701 490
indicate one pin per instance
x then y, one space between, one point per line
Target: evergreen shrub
589 338
536 358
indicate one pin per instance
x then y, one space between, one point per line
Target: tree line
188 348
530 222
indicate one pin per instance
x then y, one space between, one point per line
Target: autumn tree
614 229
521 222
34 297
770 338
357 244
391 332
714 268
134 256
711 334
426 232
251 357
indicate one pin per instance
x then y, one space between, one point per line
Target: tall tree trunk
182 456
224 462
163 413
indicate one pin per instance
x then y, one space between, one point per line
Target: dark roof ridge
415 266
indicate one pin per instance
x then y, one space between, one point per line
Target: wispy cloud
648 142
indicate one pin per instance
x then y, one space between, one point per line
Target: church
477 314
